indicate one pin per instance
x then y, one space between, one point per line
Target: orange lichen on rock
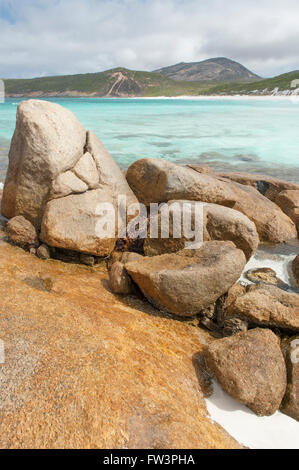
87 369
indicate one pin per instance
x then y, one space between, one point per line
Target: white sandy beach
291 98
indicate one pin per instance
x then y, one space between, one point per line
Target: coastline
293 98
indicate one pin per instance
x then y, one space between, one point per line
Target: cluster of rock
58 175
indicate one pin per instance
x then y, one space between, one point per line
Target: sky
57 37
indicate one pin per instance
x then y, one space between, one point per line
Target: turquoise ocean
253 135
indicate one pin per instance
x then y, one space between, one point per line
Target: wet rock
88 260
186 282
288 201
43 252
120 281
209 324
268 306
216 223
66 256
48 140
21 232
295 268
290 404
250 367
156 181
233 326
267 276
208 312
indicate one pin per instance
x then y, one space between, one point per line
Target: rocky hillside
178 80
119 82
219 69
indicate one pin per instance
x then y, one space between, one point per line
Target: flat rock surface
86 369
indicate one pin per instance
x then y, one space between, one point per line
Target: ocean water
253 135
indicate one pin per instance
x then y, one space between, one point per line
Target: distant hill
119 82
282 84
219 69
122 83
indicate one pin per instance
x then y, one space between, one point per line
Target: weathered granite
84 369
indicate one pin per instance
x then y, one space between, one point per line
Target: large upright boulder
216 223
71 222
48 140
156 181
250 367
59 175
186 282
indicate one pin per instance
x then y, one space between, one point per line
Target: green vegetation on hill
282 82
121 82
115 82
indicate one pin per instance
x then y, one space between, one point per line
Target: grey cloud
75 36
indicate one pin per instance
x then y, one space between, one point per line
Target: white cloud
40 38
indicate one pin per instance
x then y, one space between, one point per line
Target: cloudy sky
42 37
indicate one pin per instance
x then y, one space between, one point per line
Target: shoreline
293 98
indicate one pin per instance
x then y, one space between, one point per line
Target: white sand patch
271 432
292 98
